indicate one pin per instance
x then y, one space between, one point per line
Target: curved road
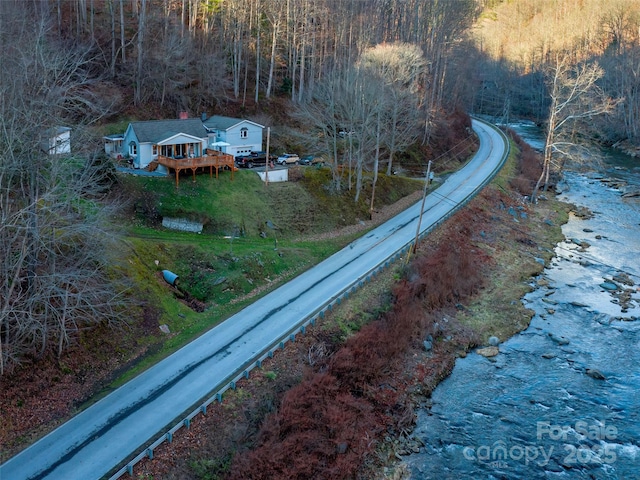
106 435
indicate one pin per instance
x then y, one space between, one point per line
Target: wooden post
424 197
266 165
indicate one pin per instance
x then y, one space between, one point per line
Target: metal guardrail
243 372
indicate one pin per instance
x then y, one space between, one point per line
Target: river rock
609 286
559 339
542 282
597 374
630 194
494 341
427 345
623 278
548 356
583 212
488 351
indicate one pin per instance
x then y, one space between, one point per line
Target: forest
374 86
485 56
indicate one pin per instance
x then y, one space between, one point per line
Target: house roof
114 137
154 131
219 122
55 131
171 139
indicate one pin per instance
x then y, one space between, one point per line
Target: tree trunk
112 15
258 53
273 58
140 52
375 164
122 38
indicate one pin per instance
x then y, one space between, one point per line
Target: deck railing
212 160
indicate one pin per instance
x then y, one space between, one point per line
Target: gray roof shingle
219 122
154 131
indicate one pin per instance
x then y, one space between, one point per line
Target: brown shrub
318 432
447 133
326 425
528 169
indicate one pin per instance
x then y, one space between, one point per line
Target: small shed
57 141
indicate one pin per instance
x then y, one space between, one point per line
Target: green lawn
237 257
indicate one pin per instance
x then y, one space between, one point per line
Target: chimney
203 117
183 115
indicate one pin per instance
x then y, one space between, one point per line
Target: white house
234 136
58 141
142 142
180 138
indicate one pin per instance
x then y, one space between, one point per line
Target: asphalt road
112 431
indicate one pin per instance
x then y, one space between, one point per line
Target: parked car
311 160
253 159
288 159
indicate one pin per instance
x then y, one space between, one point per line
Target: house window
244 133
155 150
133 149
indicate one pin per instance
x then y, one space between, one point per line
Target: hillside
376 87
218 276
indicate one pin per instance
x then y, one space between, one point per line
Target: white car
288 158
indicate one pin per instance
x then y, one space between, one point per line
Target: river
562 398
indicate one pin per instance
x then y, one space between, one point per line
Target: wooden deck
212 159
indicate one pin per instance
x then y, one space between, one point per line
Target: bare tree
137 97
325 115
55 260
402 68
575 97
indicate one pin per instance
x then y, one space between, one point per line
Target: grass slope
237 257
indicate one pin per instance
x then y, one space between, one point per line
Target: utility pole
424 197
266 165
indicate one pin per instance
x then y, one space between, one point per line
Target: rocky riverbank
559 398
628 148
